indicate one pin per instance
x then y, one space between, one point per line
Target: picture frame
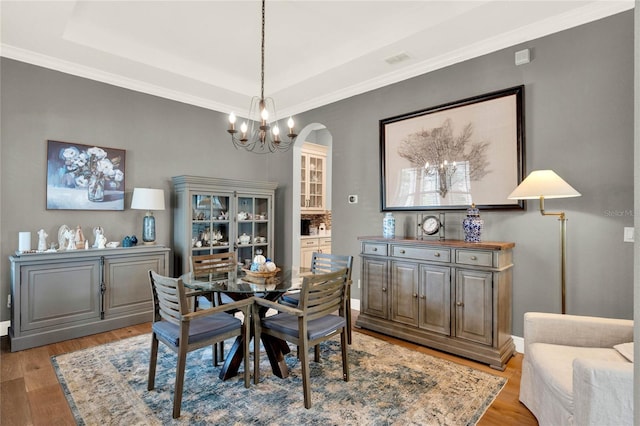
84 177
450 156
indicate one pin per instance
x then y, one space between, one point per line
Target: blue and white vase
472 225
388 226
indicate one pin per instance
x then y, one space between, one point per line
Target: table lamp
148 199
543 184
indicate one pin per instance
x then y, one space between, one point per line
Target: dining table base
275 349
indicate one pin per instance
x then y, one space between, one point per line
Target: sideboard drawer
474 257
377 249
431 254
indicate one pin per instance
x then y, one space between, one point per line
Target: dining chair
184 331
314 320
321 263
216 264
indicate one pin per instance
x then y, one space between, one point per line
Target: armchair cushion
554 364
201 328
571 373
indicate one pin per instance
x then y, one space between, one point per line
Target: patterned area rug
389 385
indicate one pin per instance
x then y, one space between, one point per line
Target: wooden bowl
257 274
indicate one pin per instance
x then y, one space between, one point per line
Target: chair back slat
322 294
169 298
215 263
327 262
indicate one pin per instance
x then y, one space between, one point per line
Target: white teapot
245 239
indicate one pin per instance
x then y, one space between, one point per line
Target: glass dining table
238 285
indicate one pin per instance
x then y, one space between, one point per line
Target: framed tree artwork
84 177
450 156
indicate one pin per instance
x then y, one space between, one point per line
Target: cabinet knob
459 304
474 258
402 251
384 289
423 297
375 249
415 295
437 254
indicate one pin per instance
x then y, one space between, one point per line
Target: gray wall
162 139
579 122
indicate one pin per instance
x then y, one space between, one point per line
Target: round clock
431 225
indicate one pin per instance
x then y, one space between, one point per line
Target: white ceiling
207 53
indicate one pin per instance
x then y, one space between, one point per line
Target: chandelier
262 135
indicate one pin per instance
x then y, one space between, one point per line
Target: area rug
389 385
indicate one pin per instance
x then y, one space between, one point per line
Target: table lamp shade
543 183
148 199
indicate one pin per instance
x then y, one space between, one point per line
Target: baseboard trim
519 342
4 328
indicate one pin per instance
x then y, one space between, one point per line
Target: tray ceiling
207 53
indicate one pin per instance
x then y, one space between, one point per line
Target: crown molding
593 11
95 74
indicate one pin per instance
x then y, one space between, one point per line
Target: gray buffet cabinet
68 294
446 294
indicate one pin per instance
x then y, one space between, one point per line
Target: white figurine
101 241
42 240
98 232
71 237
79 237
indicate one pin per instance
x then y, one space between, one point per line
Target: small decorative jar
388 226
472 225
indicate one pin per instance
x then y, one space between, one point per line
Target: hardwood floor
31 395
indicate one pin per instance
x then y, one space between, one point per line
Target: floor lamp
543 184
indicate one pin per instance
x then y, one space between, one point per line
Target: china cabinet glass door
253 230
210 231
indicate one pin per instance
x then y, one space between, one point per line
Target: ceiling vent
402 56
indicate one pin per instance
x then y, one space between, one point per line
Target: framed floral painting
84 177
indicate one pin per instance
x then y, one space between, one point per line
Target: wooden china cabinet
214 215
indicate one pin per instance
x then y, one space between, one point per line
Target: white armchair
571 372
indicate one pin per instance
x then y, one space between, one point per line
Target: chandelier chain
262 58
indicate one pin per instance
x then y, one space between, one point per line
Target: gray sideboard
68 294
449 295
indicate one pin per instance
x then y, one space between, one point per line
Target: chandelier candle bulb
232 122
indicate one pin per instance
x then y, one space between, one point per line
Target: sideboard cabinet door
435 299
404 292
474 301
375 294
127 284
54 295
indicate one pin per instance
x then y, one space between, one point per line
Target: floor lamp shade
148 199
541 184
